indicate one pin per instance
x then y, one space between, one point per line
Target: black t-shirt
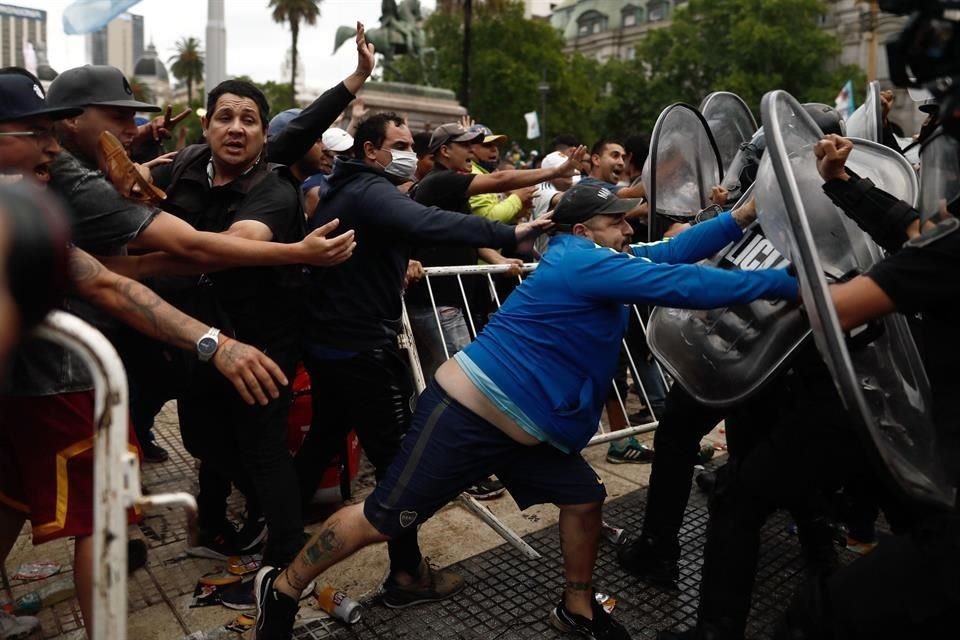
446 189
924 277
262 304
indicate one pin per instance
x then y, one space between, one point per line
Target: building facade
21 30
119 44
605 29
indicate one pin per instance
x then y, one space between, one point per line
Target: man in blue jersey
491 409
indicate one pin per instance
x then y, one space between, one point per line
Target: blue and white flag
845 100
86 16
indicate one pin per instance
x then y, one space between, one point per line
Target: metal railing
116 483
604 435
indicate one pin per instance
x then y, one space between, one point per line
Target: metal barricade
116 484
604 435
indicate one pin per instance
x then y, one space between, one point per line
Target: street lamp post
543 88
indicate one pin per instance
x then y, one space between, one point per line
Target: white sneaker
17 627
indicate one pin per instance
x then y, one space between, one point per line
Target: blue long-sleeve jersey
553 346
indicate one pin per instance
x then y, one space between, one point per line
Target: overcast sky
255 44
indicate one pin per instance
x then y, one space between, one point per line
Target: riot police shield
939 176
876 368
731 123
681 169
723 356
866 121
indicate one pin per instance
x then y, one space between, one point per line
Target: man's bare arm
251 372
510 180
201 252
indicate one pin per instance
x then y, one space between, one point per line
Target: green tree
295 12
277 93
141 90
510 56
187 64
748 47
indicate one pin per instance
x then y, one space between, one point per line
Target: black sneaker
251 533
602 627
152 452
433 585
641 558
487 489
217 546
240 597
276 612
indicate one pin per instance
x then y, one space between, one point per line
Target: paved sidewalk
508 596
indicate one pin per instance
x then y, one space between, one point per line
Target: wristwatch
207 344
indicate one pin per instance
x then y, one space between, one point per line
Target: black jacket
355 306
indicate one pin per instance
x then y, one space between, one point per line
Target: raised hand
256 377
572 165
832 152
161 127
366 53
320 251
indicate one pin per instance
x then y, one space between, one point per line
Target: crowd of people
277 242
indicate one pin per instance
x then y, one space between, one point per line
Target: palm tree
295 12
141 90
187 65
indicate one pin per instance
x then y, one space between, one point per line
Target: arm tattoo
579 586
83 266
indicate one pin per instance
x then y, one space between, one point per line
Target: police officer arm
304 130
501 181
889 221
860 300
253 374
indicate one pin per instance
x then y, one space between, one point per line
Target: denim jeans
452 333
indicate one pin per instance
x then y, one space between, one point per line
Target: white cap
337 139
553 160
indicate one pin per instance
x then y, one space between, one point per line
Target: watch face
207 346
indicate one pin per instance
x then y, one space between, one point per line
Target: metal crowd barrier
604 435
116 484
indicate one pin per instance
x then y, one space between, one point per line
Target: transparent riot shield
681 169
876 368
939 176
866 121
730 122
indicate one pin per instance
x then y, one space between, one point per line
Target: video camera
927 53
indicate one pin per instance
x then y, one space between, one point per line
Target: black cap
583 201
22 98
453 132
99 85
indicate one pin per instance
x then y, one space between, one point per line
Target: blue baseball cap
280 121
21 97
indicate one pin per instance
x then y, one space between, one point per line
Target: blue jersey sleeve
618 277
696 243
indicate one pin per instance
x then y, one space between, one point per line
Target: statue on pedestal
400 33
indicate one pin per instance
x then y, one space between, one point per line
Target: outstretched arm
253 374
304 130
203 251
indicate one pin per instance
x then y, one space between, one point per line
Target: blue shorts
449 448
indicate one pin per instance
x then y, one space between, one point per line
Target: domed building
151 71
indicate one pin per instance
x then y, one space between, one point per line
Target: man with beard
492 409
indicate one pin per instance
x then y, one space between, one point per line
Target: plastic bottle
339 605
46 596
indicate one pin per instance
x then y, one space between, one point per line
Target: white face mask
403 165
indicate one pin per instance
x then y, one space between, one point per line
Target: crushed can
339 605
